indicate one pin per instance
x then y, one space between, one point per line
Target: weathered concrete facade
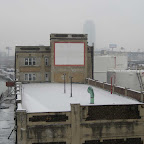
37 63
109 124
95 124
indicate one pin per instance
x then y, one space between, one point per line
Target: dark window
30 61
26 61
34 62
26 77
29 77
34 77
46 61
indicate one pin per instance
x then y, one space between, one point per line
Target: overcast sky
30 22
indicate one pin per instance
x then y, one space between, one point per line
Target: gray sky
30 22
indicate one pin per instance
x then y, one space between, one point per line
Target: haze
30 22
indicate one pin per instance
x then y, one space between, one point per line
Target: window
46 61
30 77
46 77
34 61
26 61
30 61
26 77
34 77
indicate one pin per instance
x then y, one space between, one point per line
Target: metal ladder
140 81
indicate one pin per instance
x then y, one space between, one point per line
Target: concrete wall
104 63
83 125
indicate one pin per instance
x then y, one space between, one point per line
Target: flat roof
50 97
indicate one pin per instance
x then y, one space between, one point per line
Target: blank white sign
69 53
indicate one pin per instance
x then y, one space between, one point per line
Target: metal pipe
111 85
64 82
71 85
90 90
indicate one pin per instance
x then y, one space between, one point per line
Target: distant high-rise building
89 28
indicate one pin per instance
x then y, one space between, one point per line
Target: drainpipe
111 85
90 90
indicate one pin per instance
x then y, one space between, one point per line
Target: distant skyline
89 28
30 22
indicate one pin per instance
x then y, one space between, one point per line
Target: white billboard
112 45
69 54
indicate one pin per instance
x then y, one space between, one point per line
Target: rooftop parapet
32 48
68 36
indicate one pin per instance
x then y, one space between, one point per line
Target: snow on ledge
18 97
19 108
134 90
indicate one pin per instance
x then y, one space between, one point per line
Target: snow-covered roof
50 97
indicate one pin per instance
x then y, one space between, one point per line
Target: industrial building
132 79
104 62
69 107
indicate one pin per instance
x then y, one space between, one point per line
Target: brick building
33 63
67 54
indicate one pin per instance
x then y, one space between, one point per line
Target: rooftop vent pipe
90 90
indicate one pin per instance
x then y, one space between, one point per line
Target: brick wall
119 90
134 94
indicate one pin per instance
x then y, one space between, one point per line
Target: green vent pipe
90 90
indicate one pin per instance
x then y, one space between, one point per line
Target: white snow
134 90
17 92
18 97
20 108
120 87
50 97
